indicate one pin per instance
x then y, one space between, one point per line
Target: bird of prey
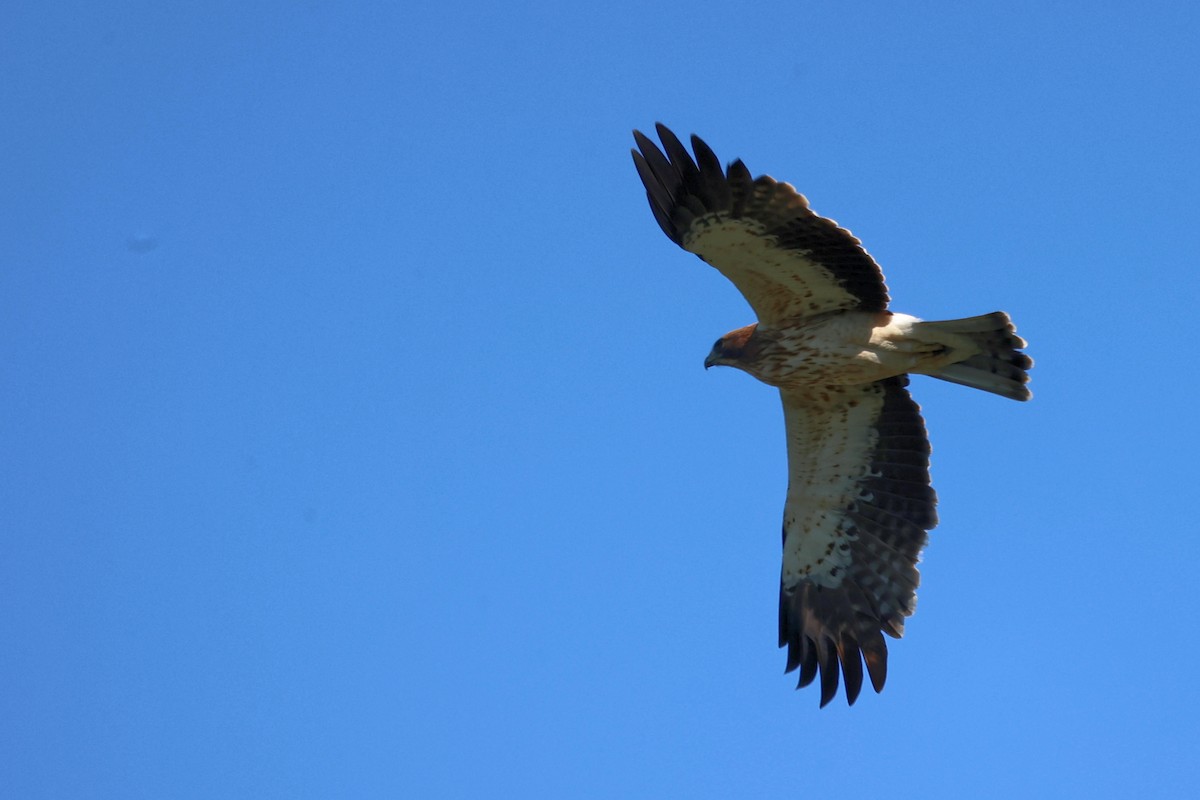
859 501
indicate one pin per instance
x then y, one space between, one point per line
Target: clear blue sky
356 442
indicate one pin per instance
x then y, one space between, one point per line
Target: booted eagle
859 502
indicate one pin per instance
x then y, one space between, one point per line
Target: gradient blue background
355 440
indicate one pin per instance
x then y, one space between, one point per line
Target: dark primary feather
682 190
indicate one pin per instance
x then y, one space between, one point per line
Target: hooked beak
711 361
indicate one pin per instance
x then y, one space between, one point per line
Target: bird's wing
859 505
760 233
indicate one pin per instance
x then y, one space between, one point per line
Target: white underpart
914 336
778 283
846 348
854 349
830 447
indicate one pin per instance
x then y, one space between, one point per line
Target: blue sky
356 442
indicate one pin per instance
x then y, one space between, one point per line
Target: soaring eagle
859 501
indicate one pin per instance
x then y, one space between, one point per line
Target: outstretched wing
786 261
859 505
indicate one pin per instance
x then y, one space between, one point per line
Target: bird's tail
997 365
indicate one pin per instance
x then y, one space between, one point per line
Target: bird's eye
717 344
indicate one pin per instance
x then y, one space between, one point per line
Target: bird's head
734 349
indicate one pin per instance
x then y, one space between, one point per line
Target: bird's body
859 500
837 349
